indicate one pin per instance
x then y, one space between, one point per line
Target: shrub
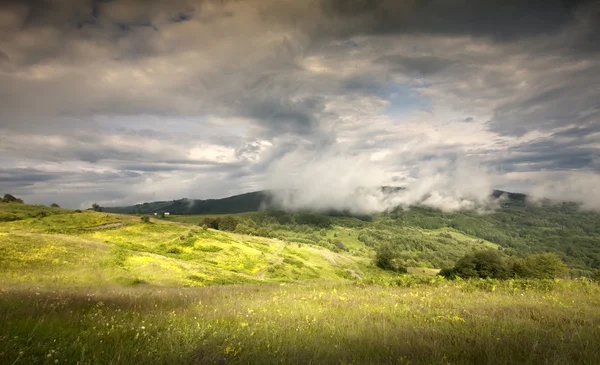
339 244
145 219
228 223
448 273
540 266
174 250
211 222
54 205
386 257
9 198
482 264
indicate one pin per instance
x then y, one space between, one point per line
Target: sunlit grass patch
299 324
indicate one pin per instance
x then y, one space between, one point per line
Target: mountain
243 203
248 202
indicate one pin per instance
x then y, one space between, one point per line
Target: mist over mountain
362 201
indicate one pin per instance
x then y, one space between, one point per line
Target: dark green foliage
386 257
522 228
145 219
540 266
96 207
228 223
482 264
281 217
54 205
211 222
319 220
448 273
492 264
9 198
596 276
339 244
174 250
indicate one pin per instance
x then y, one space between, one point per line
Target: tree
96 207
386 257
54 205
228 223
9 198
482 264
211 222
541 266
448 273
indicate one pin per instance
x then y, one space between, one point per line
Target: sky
126 101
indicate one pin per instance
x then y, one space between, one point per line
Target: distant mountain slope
248 202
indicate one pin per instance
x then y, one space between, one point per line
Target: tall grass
435 322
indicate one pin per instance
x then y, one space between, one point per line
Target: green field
97 288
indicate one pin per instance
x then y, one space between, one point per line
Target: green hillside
517 227
101 288
426 237
65 247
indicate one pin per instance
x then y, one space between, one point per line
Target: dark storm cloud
419 65
501 20
25 176
284 116
167 96
572 149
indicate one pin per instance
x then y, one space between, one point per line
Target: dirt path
107 226
329 256
341 260
278 260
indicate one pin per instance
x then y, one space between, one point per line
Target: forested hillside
423 236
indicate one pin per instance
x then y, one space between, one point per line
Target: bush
386 257
482 264
448 273
318 220
228 223
211 222
9 198
145 219
54 205
339 244
540 266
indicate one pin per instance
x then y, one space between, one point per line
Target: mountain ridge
244 203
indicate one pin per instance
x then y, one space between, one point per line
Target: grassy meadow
98 288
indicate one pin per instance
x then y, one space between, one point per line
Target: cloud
580 187
334 180
210 98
